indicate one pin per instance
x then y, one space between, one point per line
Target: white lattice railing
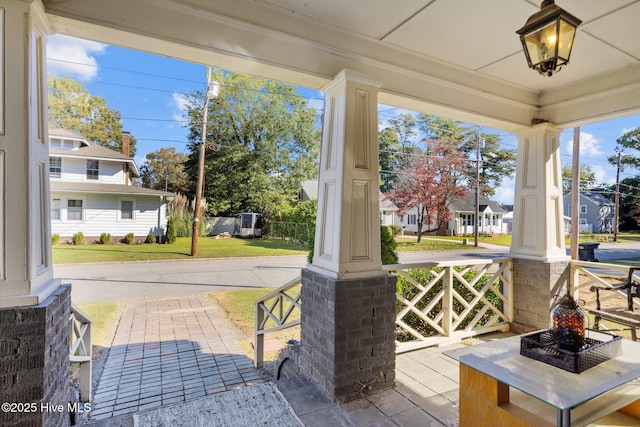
461 298
443 302
275 311
585 274
80 350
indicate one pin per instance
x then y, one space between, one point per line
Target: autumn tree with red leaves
429 184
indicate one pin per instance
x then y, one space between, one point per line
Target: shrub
129 238
105 239
151 238
55 239
388 246
78 238
395 229
172 235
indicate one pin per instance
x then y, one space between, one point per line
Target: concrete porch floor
169 351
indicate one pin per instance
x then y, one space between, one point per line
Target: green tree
262 142
388 150
495 163
397 143
72 107
628 143
164 170
587 178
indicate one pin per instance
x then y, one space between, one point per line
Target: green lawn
208 247
442 243
103 316
240 309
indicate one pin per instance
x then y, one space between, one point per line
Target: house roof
66 134
596 198
387 205
468 204
90 151
90 187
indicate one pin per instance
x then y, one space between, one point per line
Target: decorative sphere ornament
568 324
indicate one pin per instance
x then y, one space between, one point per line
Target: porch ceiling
457 58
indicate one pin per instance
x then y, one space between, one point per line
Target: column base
348 334
535 287
34 361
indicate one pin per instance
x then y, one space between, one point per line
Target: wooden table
499 387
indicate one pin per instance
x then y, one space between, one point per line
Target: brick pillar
348 334
34 361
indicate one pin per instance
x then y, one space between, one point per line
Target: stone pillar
34 308
348 313
541 262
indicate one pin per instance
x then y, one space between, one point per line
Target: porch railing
458 299
80 350
585 274
444 302
275 311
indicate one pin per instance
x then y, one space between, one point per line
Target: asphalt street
137 280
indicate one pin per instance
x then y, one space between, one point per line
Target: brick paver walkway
167 351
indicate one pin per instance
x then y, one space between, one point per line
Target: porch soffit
456 58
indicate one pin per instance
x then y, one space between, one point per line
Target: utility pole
477 219
575 195
616 215
212 92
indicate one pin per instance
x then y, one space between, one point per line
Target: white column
25 236
347 243
538 232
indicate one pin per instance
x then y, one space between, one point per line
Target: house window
74 210
411 219
583 209
55 209
126 209
583 221
93 169
55 167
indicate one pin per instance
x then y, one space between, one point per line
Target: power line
198 82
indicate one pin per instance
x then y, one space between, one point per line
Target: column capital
350 76
539 128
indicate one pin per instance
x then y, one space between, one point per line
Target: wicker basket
541 346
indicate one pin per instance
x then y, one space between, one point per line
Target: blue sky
147 90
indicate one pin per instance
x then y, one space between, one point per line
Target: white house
462 220
92 191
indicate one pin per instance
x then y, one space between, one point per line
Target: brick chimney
126 150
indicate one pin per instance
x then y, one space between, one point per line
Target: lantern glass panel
567 34
541 43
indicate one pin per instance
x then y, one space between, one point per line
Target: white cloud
179 103
589 145
601 173
505 193
69 56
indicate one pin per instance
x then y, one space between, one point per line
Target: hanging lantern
568 324
547 38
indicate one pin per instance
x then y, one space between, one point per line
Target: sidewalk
167 351
178 360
